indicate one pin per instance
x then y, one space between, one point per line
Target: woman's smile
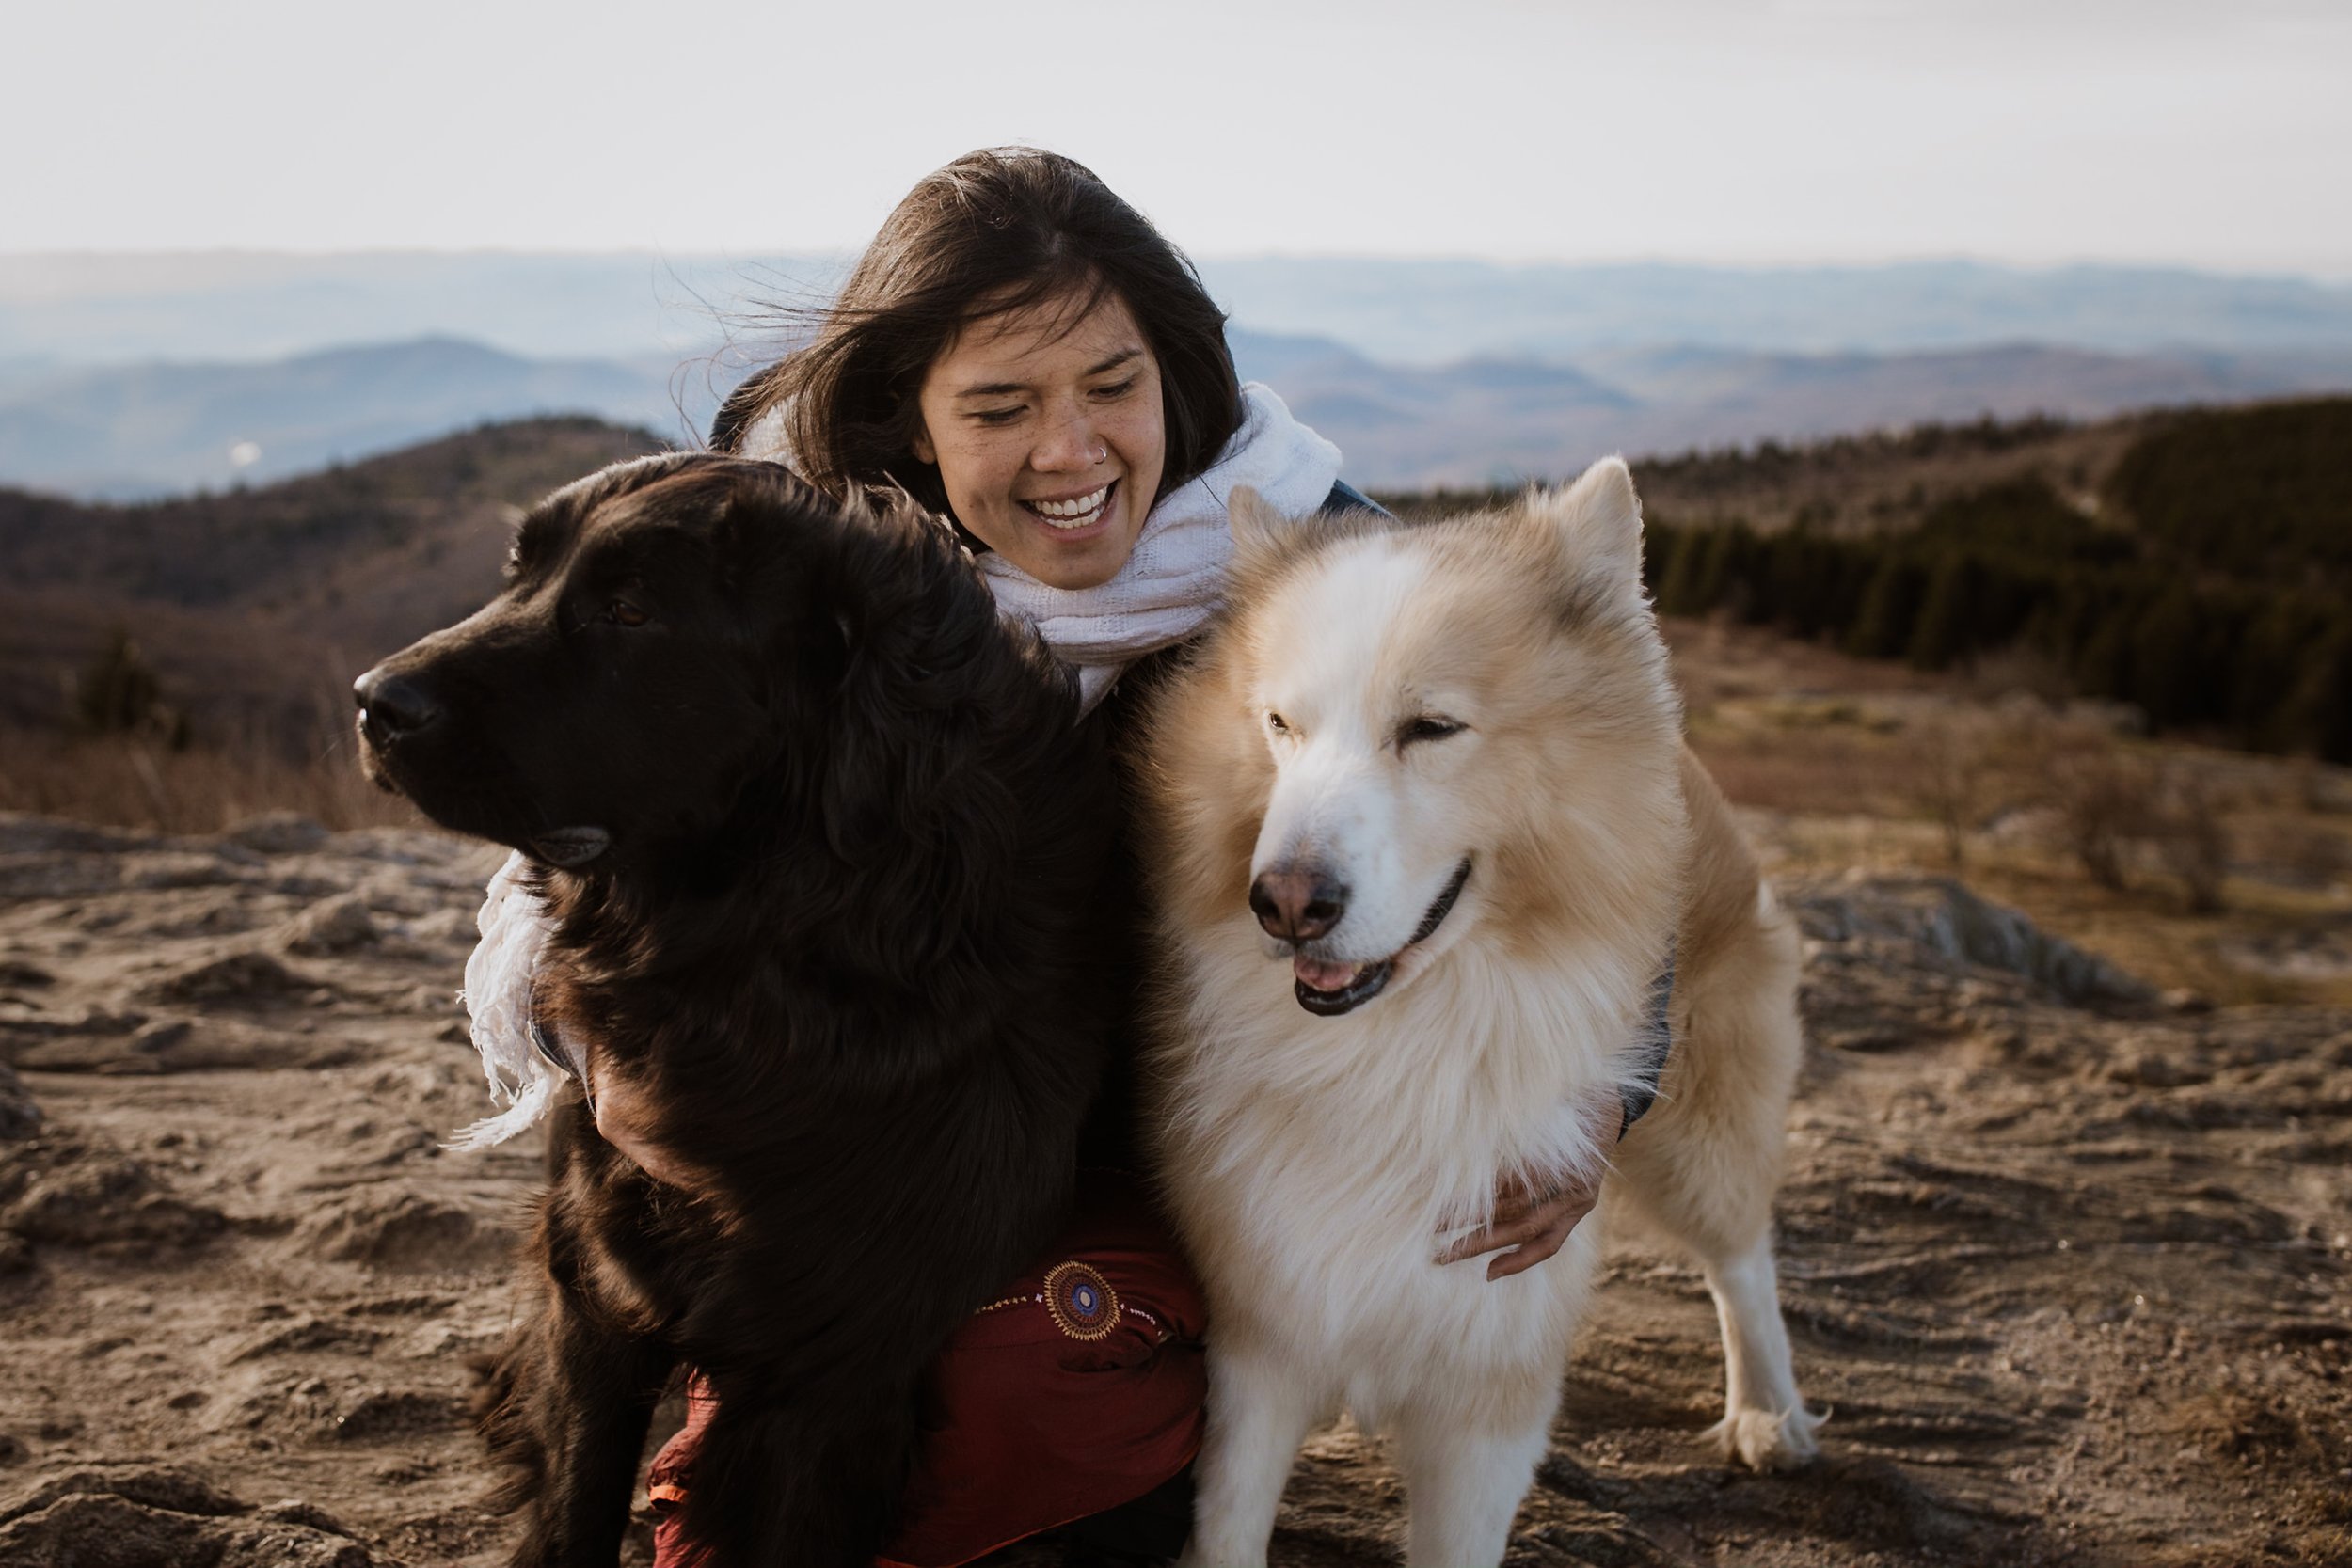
1074 514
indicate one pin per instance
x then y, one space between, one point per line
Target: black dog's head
669 627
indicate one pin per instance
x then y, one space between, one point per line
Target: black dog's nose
1297 906
392 705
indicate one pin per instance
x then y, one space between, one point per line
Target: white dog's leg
1463 1484
1259 1413
1765 1425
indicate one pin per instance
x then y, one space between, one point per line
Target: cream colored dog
1428 838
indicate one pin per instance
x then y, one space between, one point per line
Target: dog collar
567 1058
1658 1031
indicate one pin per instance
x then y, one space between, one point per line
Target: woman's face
1048 436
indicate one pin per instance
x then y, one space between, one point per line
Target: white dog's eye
1276 722
1429 727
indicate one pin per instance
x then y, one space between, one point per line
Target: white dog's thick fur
1380 706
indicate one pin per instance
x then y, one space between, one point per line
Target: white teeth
1072 513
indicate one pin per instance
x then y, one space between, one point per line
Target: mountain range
123 377
142 431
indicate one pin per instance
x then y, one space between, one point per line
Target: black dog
827 854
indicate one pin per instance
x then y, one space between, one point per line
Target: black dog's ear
771 535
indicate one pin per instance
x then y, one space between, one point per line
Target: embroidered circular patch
1082 1301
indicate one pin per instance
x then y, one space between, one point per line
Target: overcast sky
2215 134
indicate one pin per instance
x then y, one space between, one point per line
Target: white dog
1428 838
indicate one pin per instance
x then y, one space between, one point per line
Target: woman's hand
1534 1218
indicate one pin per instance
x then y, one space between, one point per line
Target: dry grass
2227 875
135 781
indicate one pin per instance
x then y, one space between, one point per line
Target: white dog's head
1450 722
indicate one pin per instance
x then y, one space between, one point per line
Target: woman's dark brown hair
1004 229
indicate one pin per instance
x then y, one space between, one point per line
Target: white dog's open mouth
1330 989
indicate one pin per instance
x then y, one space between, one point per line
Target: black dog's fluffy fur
845 942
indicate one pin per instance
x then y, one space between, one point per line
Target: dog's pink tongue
1322 976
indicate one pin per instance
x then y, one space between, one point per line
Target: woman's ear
924 451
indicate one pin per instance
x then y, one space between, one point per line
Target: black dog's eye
1427 727
623 613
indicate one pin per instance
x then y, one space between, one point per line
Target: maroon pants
1077 1389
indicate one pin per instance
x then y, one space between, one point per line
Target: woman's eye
623 613
1119 389
1427 727
995 416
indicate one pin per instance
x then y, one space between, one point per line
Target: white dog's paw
1767 1439
1195 1558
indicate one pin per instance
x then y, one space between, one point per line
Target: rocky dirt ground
2068 1262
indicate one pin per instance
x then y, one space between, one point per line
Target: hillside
2203 577
136 432
1510 419
2191 563
257 606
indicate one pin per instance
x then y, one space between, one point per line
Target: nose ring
1102 454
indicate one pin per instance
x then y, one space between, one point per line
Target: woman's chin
1074 558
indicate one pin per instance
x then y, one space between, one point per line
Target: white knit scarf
1171 583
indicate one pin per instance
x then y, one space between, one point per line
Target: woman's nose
1070 446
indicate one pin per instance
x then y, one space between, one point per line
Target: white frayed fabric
498 980
1172 582
1175 578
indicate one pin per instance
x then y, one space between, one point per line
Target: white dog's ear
1599 521
1256 525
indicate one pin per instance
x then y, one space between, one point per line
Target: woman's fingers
1536 1225
1550 1236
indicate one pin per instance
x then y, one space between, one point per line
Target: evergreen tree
2104 667
118 691
1947 626
1677 593
2165 644
1882 626
2269 662
1719 567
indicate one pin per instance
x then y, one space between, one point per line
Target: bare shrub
2186 825
2014 668
2296 848
2105 798
1953 782
1965 765
2319 790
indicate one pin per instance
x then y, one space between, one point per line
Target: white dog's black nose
393 705
1297 905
